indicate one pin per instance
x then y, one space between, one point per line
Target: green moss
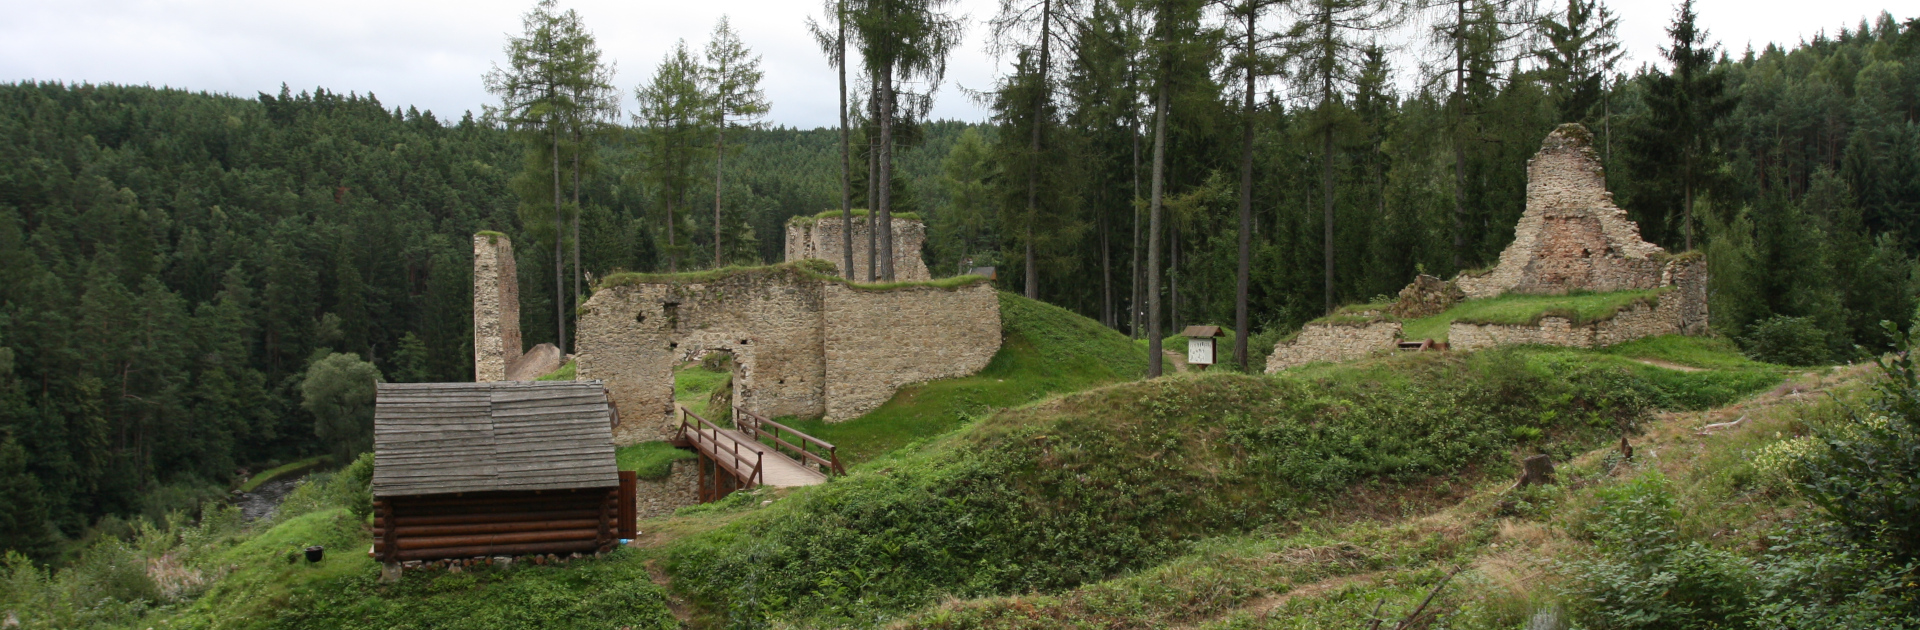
493 238
1580 308
651 460
286 469
799 269
565 373
857 212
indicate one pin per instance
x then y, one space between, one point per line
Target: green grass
270 475
1527 309
565 373
1047 350
858 212
651 460
796 270
1114 479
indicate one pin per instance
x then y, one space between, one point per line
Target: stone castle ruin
1571 238
819 238
804 343
497 353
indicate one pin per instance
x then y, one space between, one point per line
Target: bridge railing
724 449
756 426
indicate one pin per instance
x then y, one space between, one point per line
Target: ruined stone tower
496 307
819 238
1571 236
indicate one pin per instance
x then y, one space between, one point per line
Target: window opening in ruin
639 318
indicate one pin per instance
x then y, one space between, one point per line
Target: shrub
1787 341
1644 575
1866 479
338 391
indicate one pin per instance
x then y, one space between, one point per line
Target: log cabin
465 470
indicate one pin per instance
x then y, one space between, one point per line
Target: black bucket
315 552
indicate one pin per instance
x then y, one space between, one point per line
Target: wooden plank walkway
777 469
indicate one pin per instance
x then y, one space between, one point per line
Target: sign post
1200 345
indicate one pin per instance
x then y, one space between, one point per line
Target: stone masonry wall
1334 342
786 331
1571 236
820 239
655 498
877 342
631 337
496 307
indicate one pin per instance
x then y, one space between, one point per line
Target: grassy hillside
1097 483
1705 526
1046 350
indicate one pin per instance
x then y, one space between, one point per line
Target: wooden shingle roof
439 438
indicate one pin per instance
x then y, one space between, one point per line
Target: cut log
1536 470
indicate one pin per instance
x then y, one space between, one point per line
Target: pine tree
1580 54
902 41
732 75
673 124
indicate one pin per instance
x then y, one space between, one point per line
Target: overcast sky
431 53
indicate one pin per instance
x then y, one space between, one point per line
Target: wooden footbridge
755 452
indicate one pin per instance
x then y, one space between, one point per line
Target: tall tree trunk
1243 278
1173 275
576 229
1033 160
873 181
672 259
1326 186
1133 306
1107 315
559 246
1154 358
846 155
1455 108
719 159
883 224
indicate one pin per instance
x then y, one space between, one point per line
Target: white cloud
432 54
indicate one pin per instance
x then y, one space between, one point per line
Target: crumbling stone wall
1571 236
782 325
632 335
877 342
660 497
1338 341
1428 295
817 238
496 307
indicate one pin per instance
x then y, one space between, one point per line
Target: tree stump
1536 470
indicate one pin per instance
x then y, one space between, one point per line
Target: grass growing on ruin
1046 350
858 212
1582 308
650 460
565 373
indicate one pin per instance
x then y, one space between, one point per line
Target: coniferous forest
177 261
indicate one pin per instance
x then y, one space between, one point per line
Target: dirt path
1266 604
680 609
1668 365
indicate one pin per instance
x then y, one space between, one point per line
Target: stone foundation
496 307
656 498
803 346
1680 311
1334 342
820 239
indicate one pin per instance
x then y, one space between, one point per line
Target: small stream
265 499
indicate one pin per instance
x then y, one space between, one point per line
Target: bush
1866 479
1644 575
338 390
1787 341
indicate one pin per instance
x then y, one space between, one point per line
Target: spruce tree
732 75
